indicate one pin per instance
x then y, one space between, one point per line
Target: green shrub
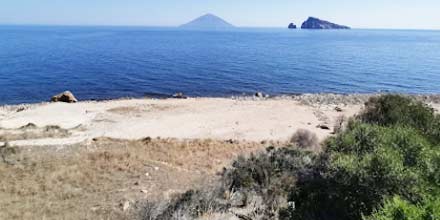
399 209
391 110
359 167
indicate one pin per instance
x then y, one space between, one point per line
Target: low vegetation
397 208
384 165
107 178
305 139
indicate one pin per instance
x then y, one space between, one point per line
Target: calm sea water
113 62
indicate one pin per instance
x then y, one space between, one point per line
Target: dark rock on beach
261 95
316 23
180 95
292 26
66 96
323 127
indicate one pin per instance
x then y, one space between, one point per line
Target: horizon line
178 26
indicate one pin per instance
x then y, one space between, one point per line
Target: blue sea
97 63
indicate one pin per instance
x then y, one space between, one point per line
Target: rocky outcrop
316 23
292 26
66 96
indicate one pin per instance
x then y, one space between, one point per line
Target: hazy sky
407 14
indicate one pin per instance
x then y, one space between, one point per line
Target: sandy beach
239 118
194 118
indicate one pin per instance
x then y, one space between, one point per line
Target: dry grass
31 131
108 179
139 109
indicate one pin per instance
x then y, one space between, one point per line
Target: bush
392 110
190 205
361 166
271 169
305 139
399 209
263 179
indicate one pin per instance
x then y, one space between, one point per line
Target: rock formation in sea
292 26
208 21
316 23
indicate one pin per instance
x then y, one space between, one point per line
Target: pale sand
194 118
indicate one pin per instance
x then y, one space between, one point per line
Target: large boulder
66 96
316 23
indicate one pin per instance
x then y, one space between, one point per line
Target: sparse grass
340 124
31 131
95 181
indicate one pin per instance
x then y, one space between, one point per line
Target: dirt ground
108 178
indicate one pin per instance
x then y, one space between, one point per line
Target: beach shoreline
237 118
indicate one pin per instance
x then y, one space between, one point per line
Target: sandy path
216 118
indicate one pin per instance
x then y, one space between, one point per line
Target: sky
395 14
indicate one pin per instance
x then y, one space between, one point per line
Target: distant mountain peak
209 15
208 21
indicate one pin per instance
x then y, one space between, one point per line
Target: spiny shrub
399 209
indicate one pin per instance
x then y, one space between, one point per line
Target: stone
316 23
66 96
126 206
338 109
259 95
29 126
323 127
147 140
179 95
238 199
